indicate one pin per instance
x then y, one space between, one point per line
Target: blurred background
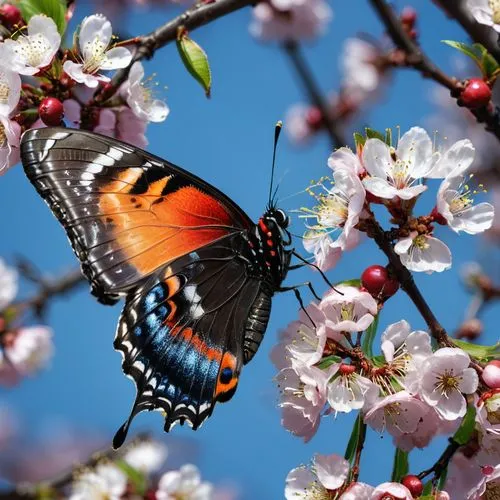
77 403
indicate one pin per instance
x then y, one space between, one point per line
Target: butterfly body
196 274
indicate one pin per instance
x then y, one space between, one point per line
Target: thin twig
198 15
442 462
305 74
417 59
480 33
48 289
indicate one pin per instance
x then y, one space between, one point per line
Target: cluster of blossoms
378 173
135 474
415 389
42 83
23 349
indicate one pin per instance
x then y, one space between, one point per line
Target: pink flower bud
491 374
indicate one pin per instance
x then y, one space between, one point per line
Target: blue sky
227 140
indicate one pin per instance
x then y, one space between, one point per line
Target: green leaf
464 432
374 134
369 337
400 467
468 50
480 352
427 491
354 282
55 9
359 139
350 450
136 478
328 361
195 60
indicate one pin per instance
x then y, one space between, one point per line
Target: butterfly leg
305 262
295 289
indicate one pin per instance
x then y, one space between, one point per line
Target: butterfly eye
282 218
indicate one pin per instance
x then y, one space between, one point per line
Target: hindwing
182 333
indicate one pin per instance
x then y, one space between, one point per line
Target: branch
359 449
48 288
305 74
198 15
442 462
408 284
480 33
417 59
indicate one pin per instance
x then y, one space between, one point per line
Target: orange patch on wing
151 229
228 361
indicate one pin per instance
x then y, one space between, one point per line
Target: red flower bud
413 484
377 282
10 14
51 111
476 94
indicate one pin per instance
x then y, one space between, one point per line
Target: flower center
492 491
399 174
4 93
463 197
94 56
420 242
446 382
32 49
495 7
3 136
347 311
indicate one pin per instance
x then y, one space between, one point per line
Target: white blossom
445 377
31 52
94 40
459 156
184 483
27 350
391 490
301 340
398 172
423 253
8 284
146 456
348 309
10 91
486 12
338 211
455 202
107 481
344 158
140 97
350 391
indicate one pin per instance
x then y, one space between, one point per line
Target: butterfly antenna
277 131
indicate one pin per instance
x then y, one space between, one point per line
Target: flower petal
415 150
94 27
377 158
116 58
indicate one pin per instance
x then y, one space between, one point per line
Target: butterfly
196 273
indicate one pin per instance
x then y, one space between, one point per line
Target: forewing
182 334
127 213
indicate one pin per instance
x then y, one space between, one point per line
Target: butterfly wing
182 333
126 212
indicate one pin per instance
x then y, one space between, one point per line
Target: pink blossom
348 309
10 133
488 414
121 123
290 19
395 491
398 413
488 485
464 474
301 339
26 351
8 284
294 420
